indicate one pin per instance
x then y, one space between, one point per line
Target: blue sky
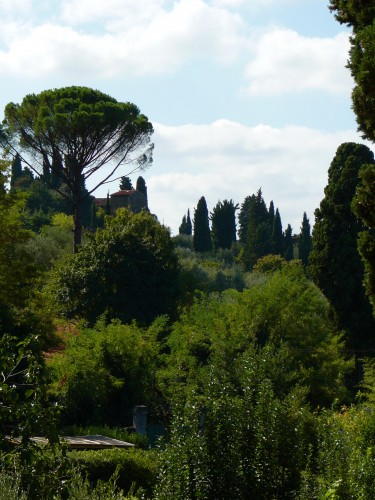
242 93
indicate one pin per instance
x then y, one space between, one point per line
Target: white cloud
254 4
286 62
191 29
114 14
14 6
226 160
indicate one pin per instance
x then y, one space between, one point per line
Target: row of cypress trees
259 233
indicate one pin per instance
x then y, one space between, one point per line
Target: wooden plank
82 442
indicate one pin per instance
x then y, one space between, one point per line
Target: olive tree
73 132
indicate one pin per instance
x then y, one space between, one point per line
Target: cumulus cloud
286 62
12 6
159 44
113 14
255 4
227 160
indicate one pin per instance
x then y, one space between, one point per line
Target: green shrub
106 370
10 487
342 465
132 466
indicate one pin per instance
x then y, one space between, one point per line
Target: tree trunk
77 224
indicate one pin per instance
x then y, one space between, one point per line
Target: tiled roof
124 192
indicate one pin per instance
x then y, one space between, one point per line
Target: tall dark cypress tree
305 241
223 218
243 218
257 232
186 225
183 229
335 264
288 243
277 235
359 15
189 225
107 207
202 235
16 170
93 216
142 188
271 215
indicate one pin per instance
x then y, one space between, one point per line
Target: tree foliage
25 331
288 243
202 235
242 368
105 371
223 222
186 226
142 188
277 237
335 264
128 269
256 230
364 207
360 16
305 241
75 131
126 183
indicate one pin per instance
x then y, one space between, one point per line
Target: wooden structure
82 442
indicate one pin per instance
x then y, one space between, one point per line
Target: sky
242 94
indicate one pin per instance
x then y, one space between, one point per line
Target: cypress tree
364 207
257 232
335 264
93 216
288 243
16 170
107 207
189 225
183 229
271 215
186 226
277 235
202 236
142 188
243 218
305 241
360 16
223 218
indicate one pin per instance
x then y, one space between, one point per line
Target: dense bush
240 439
243 370
128 270
132 466
99 475
104 371
342 466
283 308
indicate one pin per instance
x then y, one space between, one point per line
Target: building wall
134 200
